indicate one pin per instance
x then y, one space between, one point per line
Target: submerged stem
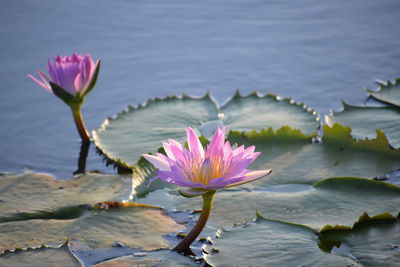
184 245
80 126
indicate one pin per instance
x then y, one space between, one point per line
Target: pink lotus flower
204 172
71 79
75 74
200 169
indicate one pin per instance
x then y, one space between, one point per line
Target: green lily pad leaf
125 256
340 136
365 218
46 257
334 201
143 129
138 227
252 112
271 243
294 160
23 226
376 243
388 93
30 192
154 258
365 121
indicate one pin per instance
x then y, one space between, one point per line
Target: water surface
318 52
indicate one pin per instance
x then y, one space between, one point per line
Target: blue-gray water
315 51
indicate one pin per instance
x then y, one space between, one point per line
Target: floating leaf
46 257
388 93
143 129
252 112
294 160
340 136
335 201
23 226
30 192
365 121
152 258
365 218
271 243
376 243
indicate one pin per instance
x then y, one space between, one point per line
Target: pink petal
250 176
167 148
195 145
238 150
45 84
179 151
192 192
78 83
156 161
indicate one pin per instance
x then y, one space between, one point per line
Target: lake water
318 52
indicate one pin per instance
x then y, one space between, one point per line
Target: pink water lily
71 79
73 73
200 169
203 172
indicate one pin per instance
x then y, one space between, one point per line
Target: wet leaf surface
364 121
46 257
133 225
271 243
142 130
388 93
335 201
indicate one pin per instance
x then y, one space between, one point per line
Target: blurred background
318 52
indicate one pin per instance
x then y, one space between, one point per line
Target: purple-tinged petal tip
158 162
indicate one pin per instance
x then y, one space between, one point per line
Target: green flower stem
183 246
80 126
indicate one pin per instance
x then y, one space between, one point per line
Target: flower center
206 170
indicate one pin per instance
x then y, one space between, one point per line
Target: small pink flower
200 169
75 74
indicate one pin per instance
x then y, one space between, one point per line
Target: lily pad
335 201
143 129
296 161
134 225
372 244
365 121
271 243
30 192
152 258
46 257
388 93
254 112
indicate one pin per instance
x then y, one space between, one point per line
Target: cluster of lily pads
327 201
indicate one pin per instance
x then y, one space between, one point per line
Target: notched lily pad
143 129
160 257
285 133
335 201
364 219
254 112
295 160
40 257
365 121
341 136
373 241
388 93
136 226
268 242
40 217
30 192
